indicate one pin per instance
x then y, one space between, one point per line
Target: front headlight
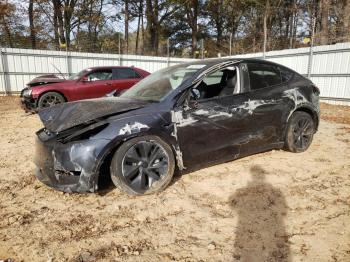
27 92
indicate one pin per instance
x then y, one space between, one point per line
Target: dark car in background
92 82
186 116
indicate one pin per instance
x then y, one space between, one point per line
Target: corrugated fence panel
19 66
330 67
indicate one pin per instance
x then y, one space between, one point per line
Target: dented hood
45 79
65 116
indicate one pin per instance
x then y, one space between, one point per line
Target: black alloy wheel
50 99
300 132
143 166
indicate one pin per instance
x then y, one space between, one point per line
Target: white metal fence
328 66
19 66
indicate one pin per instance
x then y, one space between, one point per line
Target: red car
90 83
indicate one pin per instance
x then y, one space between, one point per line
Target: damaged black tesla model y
183 117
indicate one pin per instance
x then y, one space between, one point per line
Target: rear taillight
315 89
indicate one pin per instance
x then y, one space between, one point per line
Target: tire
50 99
300 131
143 165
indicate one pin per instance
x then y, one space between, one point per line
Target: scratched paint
134 128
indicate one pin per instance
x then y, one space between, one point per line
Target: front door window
103 75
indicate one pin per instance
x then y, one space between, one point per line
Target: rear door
266 106
124 78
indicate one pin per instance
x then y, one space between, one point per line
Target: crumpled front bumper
68 167
28 103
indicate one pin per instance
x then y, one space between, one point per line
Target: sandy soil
275 206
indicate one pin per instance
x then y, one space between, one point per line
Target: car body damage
63 117
44 80
197 111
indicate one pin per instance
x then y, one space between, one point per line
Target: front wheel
143 165
50 99
300 131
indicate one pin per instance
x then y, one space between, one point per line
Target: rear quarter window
286 74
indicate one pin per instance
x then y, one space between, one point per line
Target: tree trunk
126 31
324 8
89 30
191 9
60 27
140 14
152 9
8 34
346 21
265 25
31 24
68 11
55 29
219 23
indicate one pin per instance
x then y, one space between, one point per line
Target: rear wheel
50 99
300 131
143 165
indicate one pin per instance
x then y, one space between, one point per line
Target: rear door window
262 75
127 73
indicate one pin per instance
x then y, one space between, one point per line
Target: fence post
119 50
168 52
202 48
311 54
67 62
230 44
2 56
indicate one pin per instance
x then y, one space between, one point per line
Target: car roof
108 67
208 62
214 61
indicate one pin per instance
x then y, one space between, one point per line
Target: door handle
108 84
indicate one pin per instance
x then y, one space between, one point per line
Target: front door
97 83
215 124
213 131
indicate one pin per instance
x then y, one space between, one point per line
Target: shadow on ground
261 209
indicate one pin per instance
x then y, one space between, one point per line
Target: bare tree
31 24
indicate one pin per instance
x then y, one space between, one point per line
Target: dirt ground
275 206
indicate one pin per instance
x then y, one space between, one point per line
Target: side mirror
84 79
196 94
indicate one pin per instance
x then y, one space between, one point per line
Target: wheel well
58 92
104 172
311 113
